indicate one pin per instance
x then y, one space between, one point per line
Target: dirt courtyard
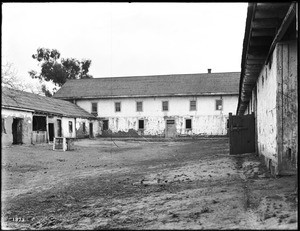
142 184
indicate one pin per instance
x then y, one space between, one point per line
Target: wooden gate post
229 131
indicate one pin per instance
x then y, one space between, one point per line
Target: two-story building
160 105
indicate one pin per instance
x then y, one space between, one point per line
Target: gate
241 129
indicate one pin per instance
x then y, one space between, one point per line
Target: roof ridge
141 76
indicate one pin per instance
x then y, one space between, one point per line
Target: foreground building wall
288 105
205 120
266 114
275 104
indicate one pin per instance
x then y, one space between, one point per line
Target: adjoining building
29 118
268 83
160 105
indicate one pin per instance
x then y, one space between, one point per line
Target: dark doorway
51 131
105 125
91 130
59 133
241 133
17 131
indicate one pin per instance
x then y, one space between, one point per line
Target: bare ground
137 184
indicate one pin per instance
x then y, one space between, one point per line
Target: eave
146 96
265 25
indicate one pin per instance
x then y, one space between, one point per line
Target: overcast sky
127 39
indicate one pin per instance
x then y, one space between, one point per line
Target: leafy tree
59 71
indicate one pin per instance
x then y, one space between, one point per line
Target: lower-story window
188 124
70 126
141 124
39 123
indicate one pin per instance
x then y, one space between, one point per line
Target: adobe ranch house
29 118
268 84
160 105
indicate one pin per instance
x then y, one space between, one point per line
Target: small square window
117 106
70 126
141 124
165 105
219 104
188 124
193 105
139 106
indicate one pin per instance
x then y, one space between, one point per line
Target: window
141 124
105 125
95 108
117 106
219 104
165 105
70 126
193 105
188 124
139 106
83 127
39 123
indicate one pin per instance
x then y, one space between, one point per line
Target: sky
127 39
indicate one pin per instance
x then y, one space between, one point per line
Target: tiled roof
25 100
157 85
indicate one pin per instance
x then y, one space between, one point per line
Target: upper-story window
95 108
193 106
117 106
165 105
219 104
139 106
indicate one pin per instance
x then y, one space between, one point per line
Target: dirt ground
143 184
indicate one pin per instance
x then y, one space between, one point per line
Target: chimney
208 71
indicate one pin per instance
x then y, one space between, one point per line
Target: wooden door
59 133
170 129
17 131
241 133
51 131
91 130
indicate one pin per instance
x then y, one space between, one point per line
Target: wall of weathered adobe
80 132
65 127
155 126
277 109
79 128
206 120
288 105
8 116
266 115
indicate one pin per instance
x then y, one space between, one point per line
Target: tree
59 71
11 79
